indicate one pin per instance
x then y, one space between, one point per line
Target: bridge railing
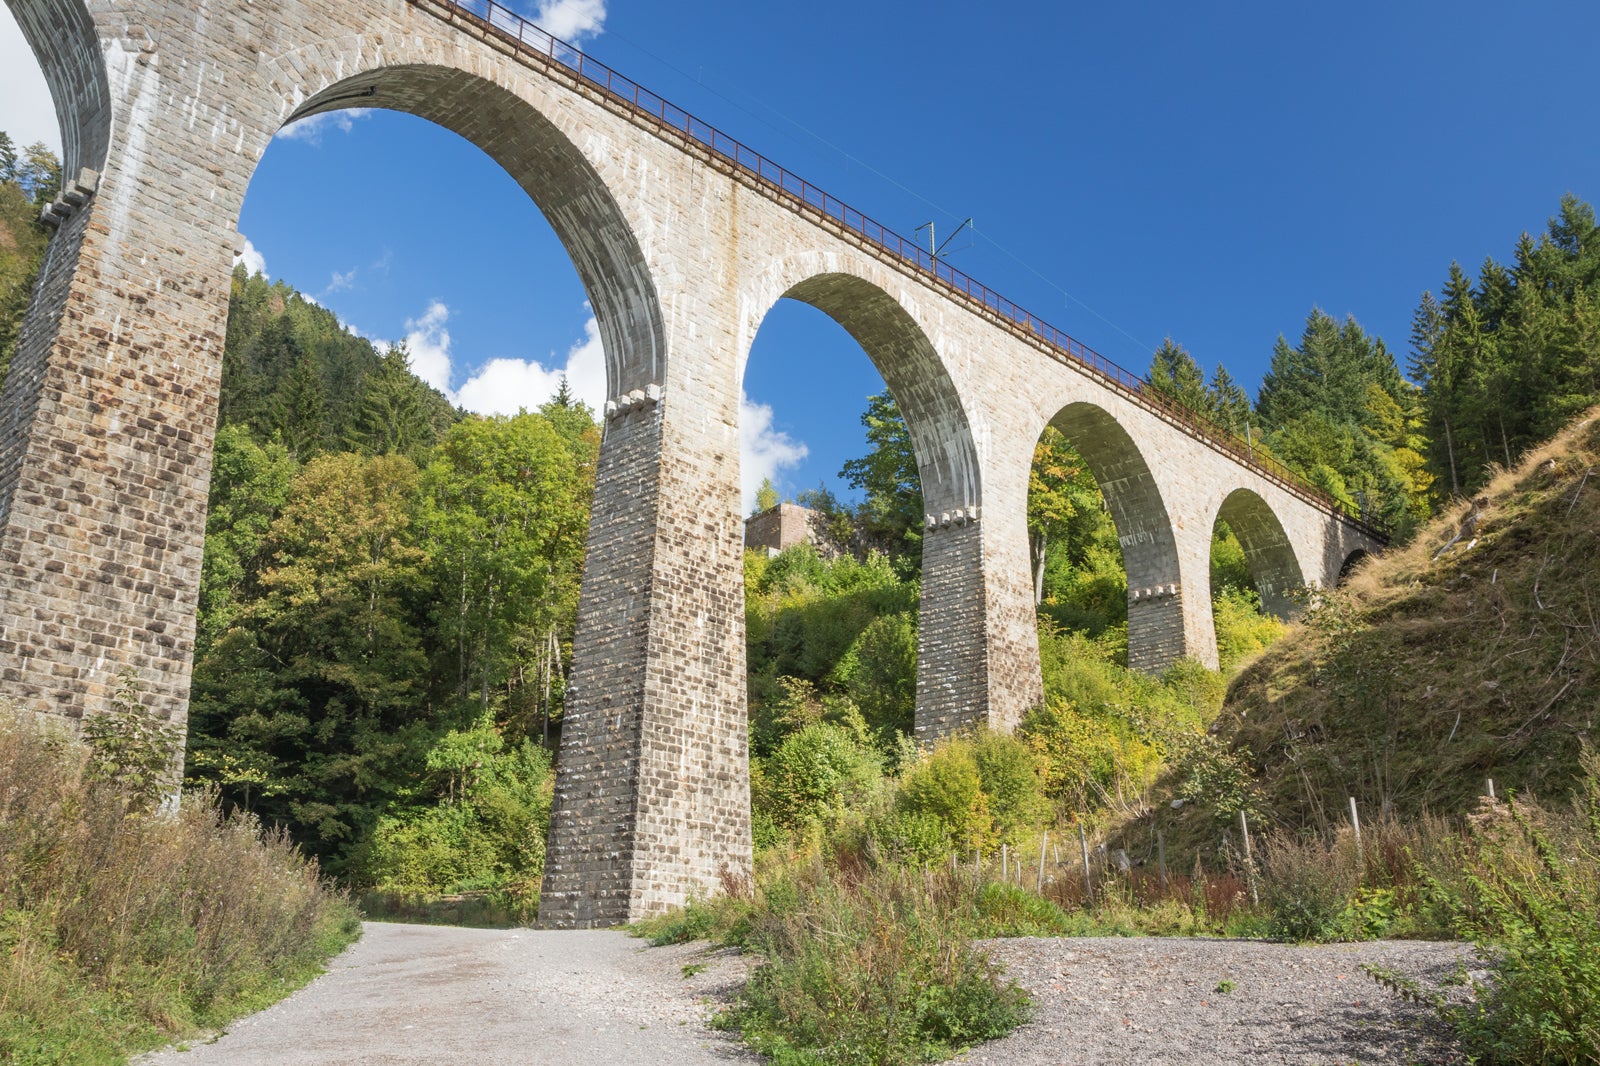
531 40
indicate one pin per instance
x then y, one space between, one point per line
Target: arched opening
843 630
1351 562
1105 561
393 572
1254 576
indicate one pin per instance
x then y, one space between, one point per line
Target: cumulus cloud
505 386
763 450
571 20
253 260
428 342
311 128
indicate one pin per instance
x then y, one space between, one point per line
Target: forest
386 618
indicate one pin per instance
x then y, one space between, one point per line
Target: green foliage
1340 413
890 517
1242 629
815 778
878 968
828 636
1105 732
22 244
130 749
292 374
225 919
504 514
485 831
1531 898
1507 362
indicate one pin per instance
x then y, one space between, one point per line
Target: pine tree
1230 404
1175 376
391 419
8 158
297 410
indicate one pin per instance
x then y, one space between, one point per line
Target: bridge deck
584 73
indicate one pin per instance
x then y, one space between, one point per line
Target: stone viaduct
684 240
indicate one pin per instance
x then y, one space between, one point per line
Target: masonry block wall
107 418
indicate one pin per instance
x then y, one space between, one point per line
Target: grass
1425 676
122 928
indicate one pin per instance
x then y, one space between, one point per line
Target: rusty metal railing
531 41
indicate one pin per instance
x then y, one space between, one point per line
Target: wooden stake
1044 845
1088 882
1161 856
1355 819
1249 862
1491 788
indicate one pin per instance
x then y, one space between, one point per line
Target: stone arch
1351 561
538 153
957 674
917 379
1144 530
1274 567
64 40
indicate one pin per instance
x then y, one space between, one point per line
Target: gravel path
409 995
1154 1001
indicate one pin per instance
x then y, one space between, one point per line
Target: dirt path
409 995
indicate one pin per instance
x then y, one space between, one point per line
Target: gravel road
1155 1001
408 995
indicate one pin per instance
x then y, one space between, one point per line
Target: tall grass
121 927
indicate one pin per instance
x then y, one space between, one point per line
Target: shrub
946 787
486 832
1531 898
816 777
1308 886
871 965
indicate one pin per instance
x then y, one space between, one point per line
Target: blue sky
1135 170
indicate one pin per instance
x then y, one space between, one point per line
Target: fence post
1161 857
1491 788
1355 820
1044 846
1088 882
1249 861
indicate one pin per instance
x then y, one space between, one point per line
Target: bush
1308 885
486 832
1531 898
120 928
871 967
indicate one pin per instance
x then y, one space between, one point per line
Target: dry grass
1422 677
120 929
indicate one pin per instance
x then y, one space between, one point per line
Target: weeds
120 927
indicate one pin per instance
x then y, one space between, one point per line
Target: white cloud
311 128
252 259
341 281
571 20
763 450
505 386
429 344
26 111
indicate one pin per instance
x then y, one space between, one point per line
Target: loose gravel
417 995
411 995
1153 1001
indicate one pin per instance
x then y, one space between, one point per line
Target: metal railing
528 39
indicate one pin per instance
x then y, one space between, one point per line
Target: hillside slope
1428 673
